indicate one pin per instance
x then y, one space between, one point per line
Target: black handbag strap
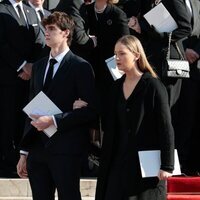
177 47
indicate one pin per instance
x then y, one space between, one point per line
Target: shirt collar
60 57
15 4
35 8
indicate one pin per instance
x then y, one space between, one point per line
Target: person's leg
7 130
41 182
157 193
65 170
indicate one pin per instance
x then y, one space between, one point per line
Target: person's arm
164 127
7 52
86 91
21 166
180 14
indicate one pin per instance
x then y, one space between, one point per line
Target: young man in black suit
55 162
20 43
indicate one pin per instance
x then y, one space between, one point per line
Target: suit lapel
62 70
12 11
27 13
40 74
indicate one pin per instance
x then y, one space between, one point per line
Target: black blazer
151 129
74 79
193 41
17 43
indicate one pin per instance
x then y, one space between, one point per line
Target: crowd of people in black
143 110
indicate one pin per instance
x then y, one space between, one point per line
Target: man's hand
21 167
24 76
79 104
134 24
41 122
28 68
191 55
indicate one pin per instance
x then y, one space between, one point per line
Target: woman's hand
163 175
79 104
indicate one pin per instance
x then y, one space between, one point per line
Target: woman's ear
137 56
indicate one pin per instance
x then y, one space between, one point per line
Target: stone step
29 198
19 189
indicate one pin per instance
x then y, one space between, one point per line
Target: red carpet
182 188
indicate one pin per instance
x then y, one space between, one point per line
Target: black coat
151 129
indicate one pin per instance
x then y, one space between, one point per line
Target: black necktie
21 16
41 14
49 75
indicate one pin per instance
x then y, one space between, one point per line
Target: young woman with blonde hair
138 119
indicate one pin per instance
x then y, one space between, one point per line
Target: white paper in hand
112 66
161 19
150 163
42 105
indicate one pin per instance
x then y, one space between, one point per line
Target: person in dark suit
155 43
187 129
82 43
21 42
55 162
138 119
38 7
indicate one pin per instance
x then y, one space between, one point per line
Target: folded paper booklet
150 163
161 19
112 66
42 105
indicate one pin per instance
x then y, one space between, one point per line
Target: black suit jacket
148 115
193 41
17 43
73 80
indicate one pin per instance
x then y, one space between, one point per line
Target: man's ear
67 33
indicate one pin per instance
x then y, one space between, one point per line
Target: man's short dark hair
63 21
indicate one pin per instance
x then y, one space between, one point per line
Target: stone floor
19 189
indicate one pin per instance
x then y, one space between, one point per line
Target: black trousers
49 172
187 127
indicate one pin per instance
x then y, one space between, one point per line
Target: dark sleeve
164 127
177 9
122 22
77 10
197 46
8 54
180 14
86 91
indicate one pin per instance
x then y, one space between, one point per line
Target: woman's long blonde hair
134 46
